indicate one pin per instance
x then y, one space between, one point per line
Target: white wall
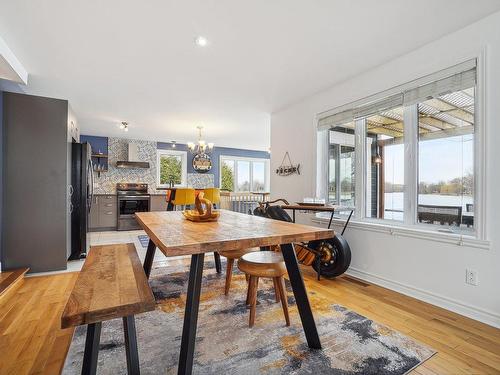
429 270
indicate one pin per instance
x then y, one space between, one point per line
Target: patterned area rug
352 344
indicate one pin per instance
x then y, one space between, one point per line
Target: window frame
251 161
183 155
410 225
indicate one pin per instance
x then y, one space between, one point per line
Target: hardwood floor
31 341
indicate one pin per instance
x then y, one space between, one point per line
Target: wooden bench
111 284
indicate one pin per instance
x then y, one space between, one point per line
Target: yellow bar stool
213 195
184 197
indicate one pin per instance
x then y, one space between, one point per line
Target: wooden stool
231 256
264 264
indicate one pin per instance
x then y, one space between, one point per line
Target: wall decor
202 163
286 167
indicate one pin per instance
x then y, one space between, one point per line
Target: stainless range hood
133 159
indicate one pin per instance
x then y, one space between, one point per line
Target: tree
170 170
227 178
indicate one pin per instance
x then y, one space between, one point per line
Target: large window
446 160
408 157
244 174
385 164
341 165
172 168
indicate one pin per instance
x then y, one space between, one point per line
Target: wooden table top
111 284
174 235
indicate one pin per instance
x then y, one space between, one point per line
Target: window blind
378 106
345 115
455 78
456 82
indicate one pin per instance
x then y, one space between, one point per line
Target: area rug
352 344
144 240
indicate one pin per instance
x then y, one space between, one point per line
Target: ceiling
124 60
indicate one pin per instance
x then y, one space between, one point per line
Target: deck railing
243 202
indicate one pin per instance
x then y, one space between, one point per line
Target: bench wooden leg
191 315
131 345
218 266
300 294
148 260
91 353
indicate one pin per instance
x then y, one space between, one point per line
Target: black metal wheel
335 256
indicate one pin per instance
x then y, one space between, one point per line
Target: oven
132 198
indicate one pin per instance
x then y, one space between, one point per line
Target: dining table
174 235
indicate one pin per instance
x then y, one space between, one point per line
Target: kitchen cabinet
158 203
104 213
36 225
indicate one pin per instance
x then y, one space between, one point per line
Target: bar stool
213 195
184 197
231 257
264 264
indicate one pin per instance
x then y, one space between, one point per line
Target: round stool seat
236 254
262 264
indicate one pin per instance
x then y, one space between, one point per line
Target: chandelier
201 147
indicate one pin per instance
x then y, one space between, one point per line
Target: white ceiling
135 60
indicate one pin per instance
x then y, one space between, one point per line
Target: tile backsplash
118 151
200 181
147 151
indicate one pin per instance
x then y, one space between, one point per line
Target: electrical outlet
471 277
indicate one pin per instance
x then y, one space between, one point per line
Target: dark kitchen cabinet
36 225
104 213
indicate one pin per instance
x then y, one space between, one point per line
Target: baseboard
458 307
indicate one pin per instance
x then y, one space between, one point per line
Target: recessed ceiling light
201 41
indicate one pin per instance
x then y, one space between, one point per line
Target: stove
132 198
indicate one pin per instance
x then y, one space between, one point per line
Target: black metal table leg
131 345
347 222
331 218
218 267
293 215
191 315
91 353
299 291
148 260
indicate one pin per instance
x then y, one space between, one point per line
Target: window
446 160
227 175
341 165
385 165
408 157
172 168
244 174
259 176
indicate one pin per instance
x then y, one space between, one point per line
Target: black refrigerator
82 191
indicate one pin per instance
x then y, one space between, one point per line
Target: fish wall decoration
287 169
